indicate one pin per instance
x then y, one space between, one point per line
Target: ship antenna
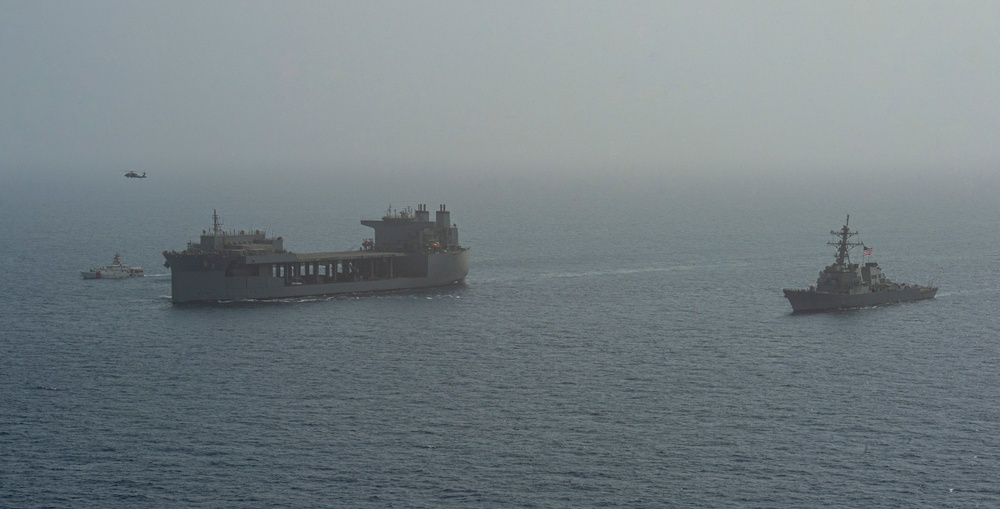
843 242
216 225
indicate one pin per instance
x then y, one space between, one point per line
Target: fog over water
637 181
562 90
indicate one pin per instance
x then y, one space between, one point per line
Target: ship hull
204 279
807 301
106 273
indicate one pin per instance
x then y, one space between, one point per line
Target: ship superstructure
408 250
844 284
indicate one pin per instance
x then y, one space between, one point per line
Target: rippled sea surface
616 348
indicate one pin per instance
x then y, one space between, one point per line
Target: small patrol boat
117 270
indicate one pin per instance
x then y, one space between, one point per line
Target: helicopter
134 175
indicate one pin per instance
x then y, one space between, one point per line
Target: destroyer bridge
408 251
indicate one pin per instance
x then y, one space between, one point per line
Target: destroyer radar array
407 251
844 285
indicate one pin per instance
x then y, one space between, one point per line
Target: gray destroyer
845 285
408 251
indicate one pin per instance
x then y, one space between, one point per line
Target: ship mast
216 225
844 244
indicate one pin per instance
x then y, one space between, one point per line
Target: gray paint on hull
804 301
212 286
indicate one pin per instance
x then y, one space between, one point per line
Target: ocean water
615 345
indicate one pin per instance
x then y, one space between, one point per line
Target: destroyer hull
212 278
806 301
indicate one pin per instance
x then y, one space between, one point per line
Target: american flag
868 251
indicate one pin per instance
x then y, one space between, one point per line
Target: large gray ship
844 285
407 251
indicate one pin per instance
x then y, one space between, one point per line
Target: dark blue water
614 346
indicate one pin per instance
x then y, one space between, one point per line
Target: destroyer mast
844 244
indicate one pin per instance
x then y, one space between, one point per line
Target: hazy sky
509 86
